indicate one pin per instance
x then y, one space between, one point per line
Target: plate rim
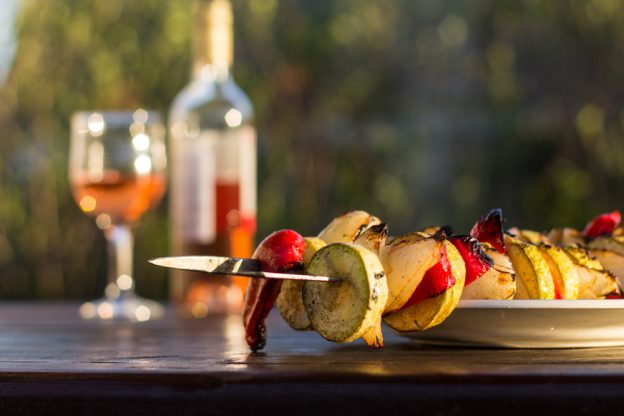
541 304
526 334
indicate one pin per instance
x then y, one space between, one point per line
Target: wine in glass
117 165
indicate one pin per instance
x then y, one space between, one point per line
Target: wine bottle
213 166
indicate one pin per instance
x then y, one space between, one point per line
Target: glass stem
120 250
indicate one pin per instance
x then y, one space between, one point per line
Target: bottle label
247 180
214 188
193 189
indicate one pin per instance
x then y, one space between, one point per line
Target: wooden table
52 362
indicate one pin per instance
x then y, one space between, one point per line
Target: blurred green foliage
420 111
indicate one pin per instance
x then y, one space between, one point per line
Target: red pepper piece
602 224
477 262
558 289
280 252
489 229
618 294
437 280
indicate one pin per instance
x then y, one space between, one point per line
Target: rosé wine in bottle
213 167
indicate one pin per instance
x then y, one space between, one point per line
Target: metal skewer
232 266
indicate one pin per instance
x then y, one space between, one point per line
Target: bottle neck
213 40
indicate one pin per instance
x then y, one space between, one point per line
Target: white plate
530 324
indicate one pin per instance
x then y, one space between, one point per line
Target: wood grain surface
49 358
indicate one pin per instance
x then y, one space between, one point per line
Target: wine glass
117 163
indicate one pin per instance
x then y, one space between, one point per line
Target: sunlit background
420 111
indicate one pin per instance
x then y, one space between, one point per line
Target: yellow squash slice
535 280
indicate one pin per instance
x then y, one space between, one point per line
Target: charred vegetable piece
433 311
347 227
529 236
602 224
563 271
610 253
477 261
497 283
594 281
406 259
280 252
566 237
535 279
489 229
373 238
437 280
435 229
345 311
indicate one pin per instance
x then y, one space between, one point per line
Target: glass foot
127 308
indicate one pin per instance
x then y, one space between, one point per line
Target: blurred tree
419 111
75 55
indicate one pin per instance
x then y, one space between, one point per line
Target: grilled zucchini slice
345 311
